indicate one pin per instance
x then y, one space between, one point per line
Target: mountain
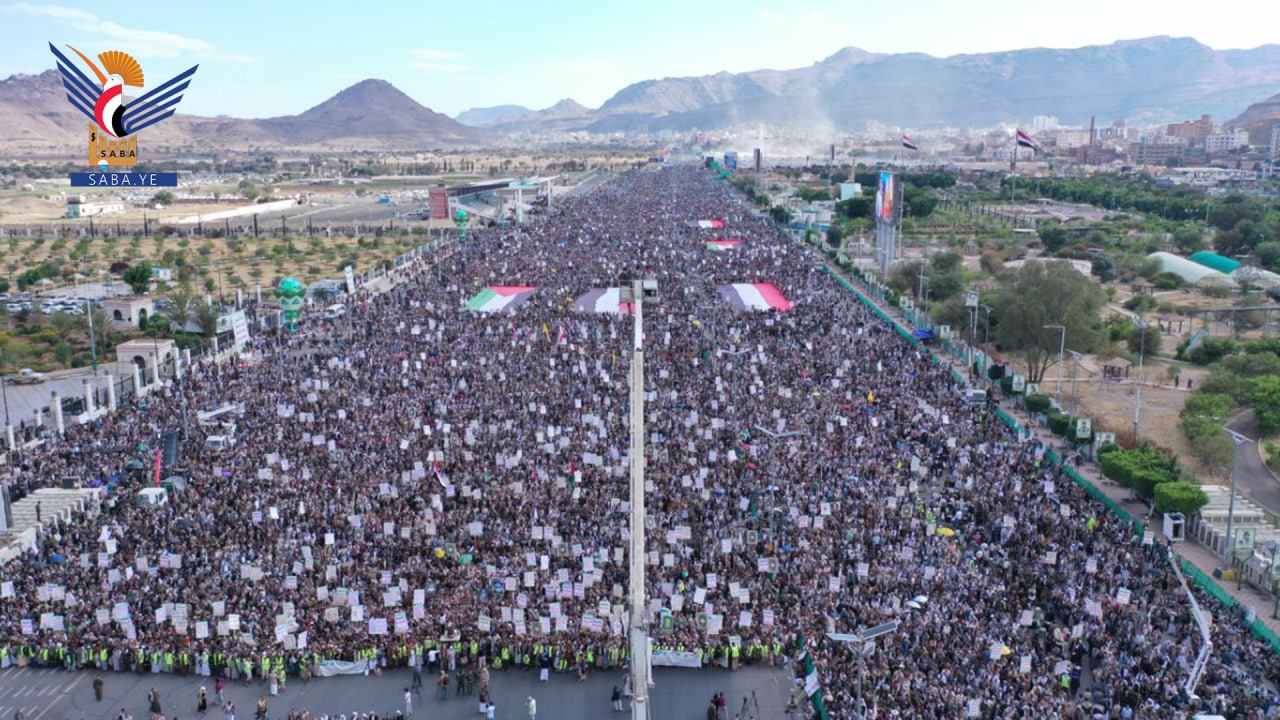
564 115
370 115
1259 119
486 116
1157 79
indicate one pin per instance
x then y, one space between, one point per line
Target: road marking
43 690
70 685
42 712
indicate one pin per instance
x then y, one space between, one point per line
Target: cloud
438 67
435 54
141 43
346 76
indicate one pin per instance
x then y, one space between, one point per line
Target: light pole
986 336
1239 440
1075 364
1142 352
1062 345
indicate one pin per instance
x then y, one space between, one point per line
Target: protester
418 480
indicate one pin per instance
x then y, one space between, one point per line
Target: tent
500 298
754 296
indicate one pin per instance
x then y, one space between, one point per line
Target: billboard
887 198
240 329
731 160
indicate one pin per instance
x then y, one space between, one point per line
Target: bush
1108 447
1207 404
1038 403
1059 423
1141 469
1006 384
1183 497
1211 350
995 372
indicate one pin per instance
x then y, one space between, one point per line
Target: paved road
678 695
1252 475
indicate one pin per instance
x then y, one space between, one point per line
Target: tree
1187 239
163 198
1040 294
63 325
1268 255
834 236
1151 345
855 208
1053 238
206 317
138 277
1104 267
104 332
181 308
780 215
1264 397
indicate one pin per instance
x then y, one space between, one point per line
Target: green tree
855 208
1187 239
139 277
1150 346
834 235
104 332
180 309
63 325
1053 238
1040 294
1104 267
1264 397
1268 255
780 215
164 197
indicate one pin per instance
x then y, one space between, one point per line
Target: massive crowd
413 476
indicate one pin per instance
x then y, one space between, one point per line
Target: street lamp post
1142 352
1075 364
1238 440
1062 346
986 337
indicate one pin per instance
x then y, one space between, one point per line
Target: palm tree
104 331
206 316
181 309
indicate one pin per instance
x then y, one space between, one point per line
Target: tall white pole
637 629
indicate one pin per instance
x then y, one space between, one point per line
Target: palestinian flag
906 143
722 245
754 296
499 298
710 224
1024 140
602 300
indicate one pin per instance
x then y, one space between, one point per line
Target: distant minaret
1093 138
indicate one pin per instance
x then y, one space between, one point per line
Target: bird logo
103 102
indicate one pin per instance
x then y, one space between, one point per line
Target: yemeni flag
500 298
722 245
1024 140
710 224
906 143
603 300
754 296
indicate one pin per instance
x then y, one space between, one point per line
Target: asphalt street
678 694
1252 475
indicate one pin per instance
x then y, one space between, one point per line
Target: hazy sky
259 59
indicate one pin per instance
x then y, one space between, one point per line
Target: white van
153 497
335 311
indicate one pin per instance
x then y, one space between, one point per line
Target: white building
1275 143
78 208
1040 123
1072 138
1226 141
129 312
